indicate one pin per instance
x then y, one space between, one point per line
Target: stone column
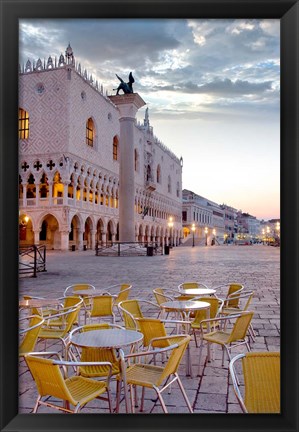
24 194
65 193
64 240
128 105
36 237
37 194
93 239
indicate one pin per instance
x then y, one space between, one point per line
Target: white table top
106 338
39 303
185 305
198 291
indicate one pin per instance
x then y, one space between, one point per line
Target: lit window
89 132
115 148
23 124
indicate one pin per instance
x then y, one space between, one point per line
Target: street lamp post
170 224
193 230
206 233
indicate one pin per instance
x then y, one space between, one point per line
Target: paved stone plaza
257 267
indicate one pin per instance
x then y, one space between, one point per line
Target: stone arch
49 234
87 233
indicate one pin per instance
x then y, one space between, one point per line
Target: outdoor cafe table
107 338
198 292
185 308
38 303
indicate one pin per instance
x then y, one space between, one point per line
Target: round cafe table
39 303
198 292
185 307
108 338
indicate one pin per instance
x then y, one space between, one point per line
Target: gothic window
136 161
115 148
178 189
23 124
148 173
169 184
158 174
90 132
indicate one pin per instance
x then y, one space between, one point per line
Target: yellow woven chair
69 318
233 290
216 305
94 354
71 290
68 303
29 335
163 296
228 339
40 311
261 372
244 299
75 390
101 306
131 309
122 295
156 377
190 285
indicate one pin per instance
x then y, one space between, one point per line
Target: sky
212 88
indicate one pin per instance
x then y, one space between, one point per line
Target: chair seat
84 390
98 371
144 374
219 337
51 333
230 311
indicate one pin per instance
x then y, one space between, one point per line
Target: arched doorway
87 233
49 232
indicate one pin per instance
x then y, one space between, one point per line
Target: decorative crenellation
65 61
145 126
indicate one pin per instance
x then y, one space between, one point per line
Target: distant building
206 215
248 224
69 140
230 222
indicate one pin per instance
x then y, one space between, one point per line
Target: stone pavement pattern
257 267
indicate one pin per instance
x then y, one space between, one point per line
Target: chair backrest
102 306
78 287
215 305
70 301
240 326
130 310
48 378
160 296
151 328
262 382
189 285
71 318
233 290
30 334
175 358
123 293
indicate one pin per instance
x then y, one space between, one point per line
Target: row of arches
84 233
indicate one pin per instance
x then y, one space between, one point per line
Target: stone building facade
206 215
69 159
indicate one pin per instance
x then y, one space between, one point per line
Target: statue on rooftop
125 87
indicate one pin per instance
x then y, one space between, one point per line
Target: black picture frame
288 12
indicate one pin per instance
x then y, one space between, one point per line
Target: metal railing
128 249
32 259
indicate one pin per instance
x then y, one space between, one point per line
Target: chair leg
199 356
109 401
142 399
36 404
118 391
161 400
184 393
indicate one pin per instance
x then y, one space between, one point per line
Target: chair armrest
235 382
217 318
43 354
